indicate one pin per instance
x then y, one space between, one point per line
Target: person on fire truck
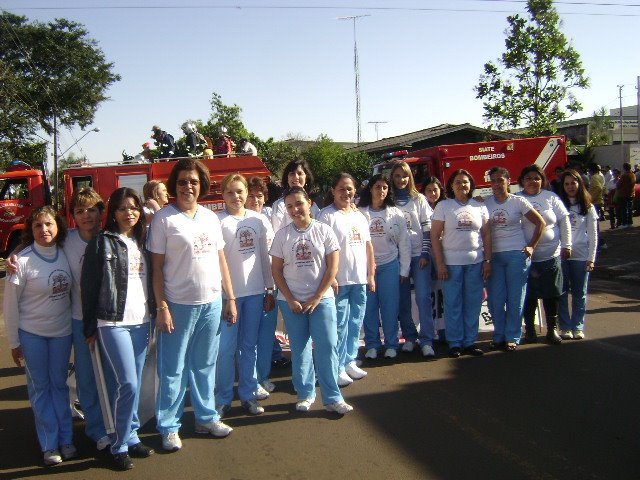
164 142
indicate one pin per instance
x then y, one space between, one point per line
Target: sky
289 64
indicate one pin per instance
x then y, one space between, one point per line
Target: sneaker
407 346
139 450
52 457
354 371
223 409
261 393
473 350
455 352
553 337
268 385
372 353
344 379
305 405
578 335
427 351
566 334
68 451
103 443
390 353
217 429
340 407
358 363
171 442
123 461
252 407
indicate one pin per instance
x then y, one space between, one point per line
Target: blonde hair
413 193
150 189
233 177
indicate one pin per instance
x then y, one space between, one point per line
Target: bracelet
229 299
159 309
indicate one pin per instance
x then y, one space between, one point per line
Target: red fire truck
23 188
478 158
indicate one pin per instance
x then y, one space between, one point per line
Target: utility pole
638 108
376 123
621 125
55 161
356 69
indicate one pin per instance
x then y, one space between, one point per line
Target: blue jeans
267 344
506 288
383 305
240 338
125 350
575 280
320 328
187 358
422 290
46 362
350 306
462 303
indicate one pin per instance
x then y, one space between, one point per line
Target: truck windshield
14 189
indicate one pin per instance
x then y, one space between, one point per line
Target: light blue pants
267 344
125 350
350 307
86 384
320 328
46 362
239 339
575 280
506 288
462 304
187 358
422 290
382 305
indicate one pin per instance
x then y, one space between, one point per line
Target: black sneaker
123 461
141 451
454 352
473 350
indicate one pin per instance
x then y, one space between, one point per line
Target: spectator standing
611 187
625 192
245 147
224 144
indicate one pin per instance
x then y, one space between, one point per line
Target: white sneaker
103 443
52 457
358 363
217 429
68 451
305 405
578 335
390 353
340 407
252 407
171 442
268 385
354 371
261 393
344 379
372 353
407 346
427 351
566 334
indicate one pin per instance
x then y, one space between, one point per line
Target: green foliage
275 154
532 83
599 127
31 153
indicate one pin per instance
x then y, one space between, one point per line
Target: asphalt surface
542 412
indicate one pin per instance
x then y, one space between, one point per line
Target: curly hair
27 234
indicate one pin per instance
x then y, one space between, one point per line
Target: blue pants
422 290
86 385
575 280
240 338
187 358
383 305
350 306
319 327
267 344
462 304
125 350
46 362
506 288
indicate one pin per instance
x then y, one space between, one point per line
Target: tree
532 83
599 127
223 115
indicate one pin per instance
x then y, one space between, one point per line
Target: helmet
188 127
223 130
139 158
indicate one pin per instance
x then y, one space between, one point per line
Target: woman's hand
269 302
371 282
588 267
295 306
91 341
310 305
528 251
230 313
335 287
164 321
565 253
443 273
16 354
11 264
486 270
423 262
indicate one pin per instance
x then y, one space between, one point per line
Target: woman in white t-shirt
296 174
304 262
117 305
356 273
462 249
189 271
583 218
247 236
155 197
510 260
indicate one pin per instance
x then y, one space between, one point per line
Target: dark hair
86 196
626 166
258 183
27 234
114 202
292 166
501 170
536 169
294 190
582 197
328 198
189 164
594 168
452 177
365 196
435 180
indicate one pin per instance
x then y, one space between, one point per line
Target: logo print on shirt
246 239
59 281
499 218
303 252
376 227
407 218
465 221
354 235
201 244
136 267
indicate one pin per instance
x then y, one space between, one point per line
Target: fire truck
478 158
23 188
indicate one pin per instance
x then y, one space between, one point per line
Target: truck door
15 206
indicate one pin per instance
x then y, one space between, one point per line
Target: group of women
211 286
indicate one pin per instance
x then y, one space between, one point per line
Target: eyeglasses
184 183
127 209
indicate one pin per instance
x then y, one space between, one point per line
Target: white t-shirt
389 236
246 248
352 230
280 217
135 308
190 246
505 219
461 238
557 231
37 298
417 214
74 247
584 234
304 255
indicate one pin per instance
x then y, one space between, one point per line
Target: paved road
542 412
